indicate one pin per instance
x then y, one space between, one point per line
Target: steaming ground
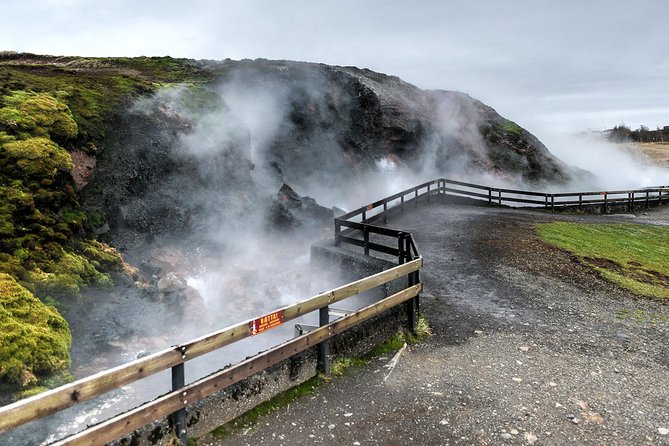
529 347
240 267
615 166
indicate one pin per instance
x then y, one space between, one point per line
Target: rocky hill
135 155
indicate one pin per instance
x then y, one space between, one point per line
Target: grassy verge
338 368
635 257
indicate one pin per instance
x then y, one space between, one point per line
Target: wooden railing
630 198
174 358
356 226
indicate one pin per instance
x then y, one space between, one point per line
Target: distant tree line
622 133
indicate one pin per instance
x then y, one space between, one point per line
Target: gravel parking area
529 347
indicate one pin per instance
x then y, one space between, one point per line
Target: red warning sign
266 322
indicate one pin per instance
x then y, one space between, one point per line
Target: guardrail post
400 247
179 417
365 235
499 196
385 209
606 203
337 232
324 347
552 203
404 256
428 192
580 201
364 216
647 200
413 303
631 201
489 195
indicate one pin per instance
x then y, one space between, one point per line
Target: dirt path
530 347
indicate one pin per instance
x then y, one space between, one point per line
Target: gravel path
529 347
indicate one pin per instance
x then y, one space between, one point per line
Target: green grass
513 129
635 257
652 318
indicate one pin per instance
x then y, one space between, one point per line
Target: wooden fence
631 199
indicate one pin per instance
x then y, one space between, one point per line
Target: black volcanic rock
339 121
153 183
290 211
179 163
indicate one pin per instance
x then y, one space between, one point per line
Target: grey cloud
530 59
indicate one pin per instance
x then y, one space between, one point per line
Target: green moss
34 338
66 276
251 417
103 254
37 157
37 114
512 129
498 131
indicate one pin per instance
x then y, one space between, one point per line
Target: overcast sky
547 64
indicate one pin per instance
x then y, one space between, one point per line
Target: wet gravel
529 347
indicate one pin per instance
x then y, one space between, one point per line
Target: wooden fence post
179 417
324 347
337 232
410 305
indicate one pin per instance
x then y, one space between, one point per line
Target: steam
615 166
236 146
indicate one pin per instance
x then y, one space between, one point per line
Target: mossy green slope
34 338
50 107
635 257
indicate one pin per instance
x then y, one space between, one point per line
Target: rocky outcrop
153 184
180 162
338 122
290 210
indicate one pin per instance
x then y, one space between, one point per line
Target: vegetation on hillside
50 107
623 133
34 338
635 257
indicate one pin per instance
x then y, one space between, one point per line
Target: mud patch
633 271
